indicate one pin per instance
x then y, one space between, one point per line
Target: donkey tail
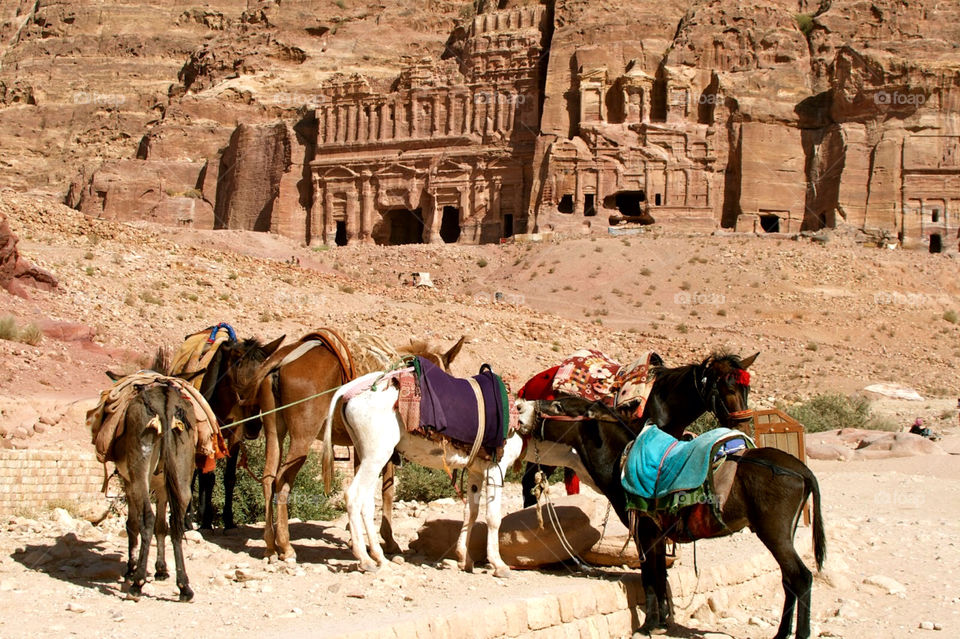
819 538
353 387
172 440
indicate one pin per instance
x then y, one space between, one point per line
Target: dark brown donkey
763 488
218 382
299 380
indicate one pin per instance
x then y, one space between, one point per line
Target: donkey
377 432
155 453
234 360
763 488
678 396
299 390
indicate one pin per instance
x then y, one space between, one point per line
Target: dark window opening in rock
589 207
341 237
566 204
935 215
658 102
627 202
450 224
508 225
656 199
770 223
406 226
936 243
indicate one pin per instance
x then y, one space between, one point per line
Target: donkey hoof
161 575
271 559
369 566
503 572
186 593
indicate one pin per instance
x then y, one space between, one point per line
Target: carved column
328 221
431 219
352 215
468 102
316 213
366 209
435 116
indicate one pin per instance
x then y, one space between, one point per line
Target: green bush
833 411
804 23
306 501
418 483
29 334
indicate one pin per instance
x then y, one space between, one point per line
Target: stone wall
32 479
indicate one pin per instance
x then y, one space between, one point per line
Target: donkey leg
229 485
387 490
797 580
205 484
160 530
295 457
134 507
147 521
177 515
470 511
664 605
359 498
644 539
494 481
270 465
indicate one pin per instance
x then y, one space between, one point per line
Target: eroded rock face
15 272
569 115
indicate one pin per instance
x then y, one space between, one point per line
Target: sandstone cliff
760 115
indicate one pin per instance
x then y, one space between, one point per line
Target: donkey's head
233 374
724 386
425 350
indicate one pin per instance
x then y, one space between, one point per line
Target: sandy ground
825 318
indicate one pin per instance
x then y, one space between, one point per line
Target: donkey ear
655 359
453 352
746 363
272 346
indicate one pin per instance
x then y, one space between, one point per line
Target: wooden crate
775 429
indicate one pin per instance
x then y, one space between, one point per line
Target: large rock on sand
522 542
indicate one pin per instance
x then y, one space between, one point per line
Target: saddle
671 480
106 419
592 375
197 351
473 414
323 338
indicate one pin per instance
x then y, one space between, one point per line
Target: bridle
708 390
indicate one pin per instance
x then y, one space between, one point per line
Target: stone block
542 612
515 618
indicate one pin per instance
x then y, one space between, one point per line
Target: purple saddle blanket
448 406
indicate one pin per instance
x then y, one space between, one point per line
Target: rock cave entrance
341 236
770 223
936 243
566 204
627 202
508 225
404 226
450 224
589 205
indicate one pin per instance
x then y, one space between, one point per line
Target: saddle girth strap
481 419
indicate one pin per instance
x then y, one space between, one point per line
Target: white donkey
377 431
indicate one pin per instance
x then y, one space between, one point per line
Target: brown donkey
299 380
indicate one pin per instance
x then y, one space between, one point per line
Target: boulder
522 542
15 272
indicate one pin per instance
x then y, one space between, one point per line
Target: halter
710 396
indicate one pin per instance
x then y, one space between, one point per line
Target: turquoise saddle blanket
658 464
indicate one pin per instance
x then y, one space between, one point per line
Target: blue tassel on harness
222 325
